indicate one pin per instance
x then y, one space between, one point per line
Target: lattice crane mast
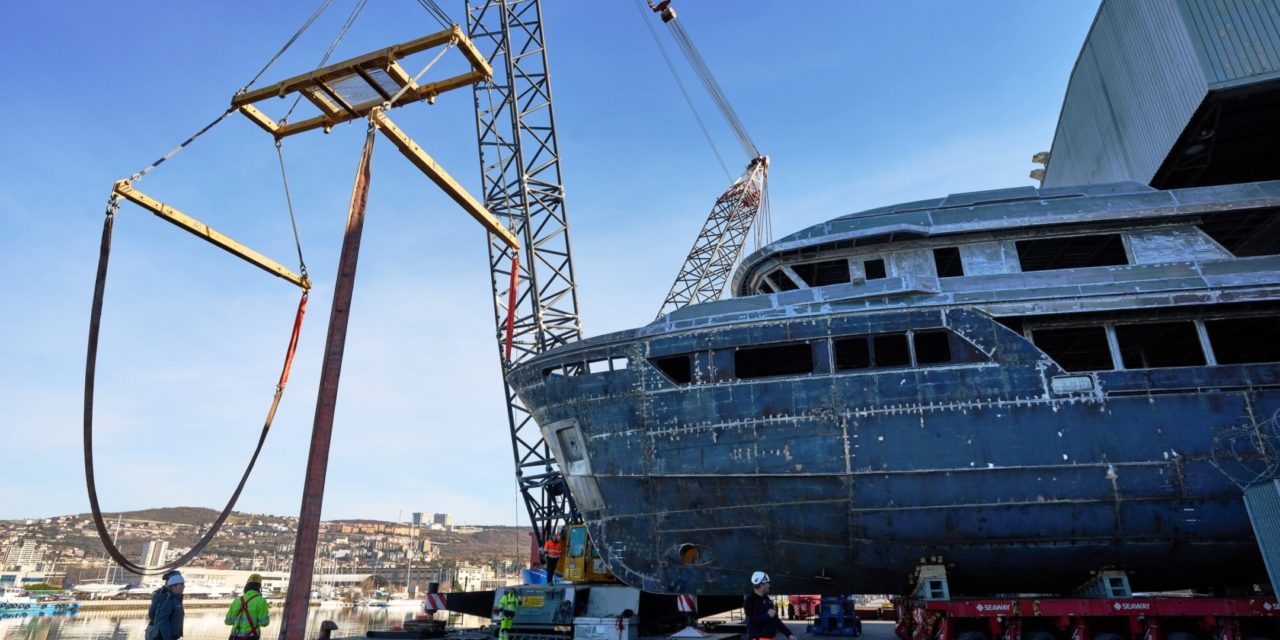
722 238
522 186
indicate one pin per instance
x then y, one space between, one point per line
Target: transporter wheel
1040 634
1110 636
972 635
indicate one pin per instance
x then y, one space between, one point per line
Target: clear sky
859 104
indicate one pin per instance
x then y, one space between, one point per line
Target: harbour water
200 624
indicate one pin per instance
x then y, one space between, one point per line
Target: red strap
244 604
293 340
511 302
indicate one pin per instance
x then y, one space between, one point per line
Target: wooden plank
438 175
207 233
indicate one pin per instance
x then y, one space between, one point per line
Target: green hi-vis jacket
253 615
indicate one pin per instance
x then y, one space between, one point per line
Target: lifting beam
125 189
335 89
438 175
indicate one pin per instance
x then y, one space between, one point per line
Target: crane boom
522 187
719 244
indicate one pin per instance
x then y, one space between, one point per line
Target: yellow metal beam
333 109
259 118
125 190
438 175
379 58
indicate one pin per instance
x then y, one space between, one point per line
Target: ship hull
838 482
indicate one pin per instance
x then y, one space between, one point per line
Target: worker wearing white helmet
760 612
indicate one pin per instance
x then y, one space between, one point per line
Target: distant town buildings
442 519
29 554
154 553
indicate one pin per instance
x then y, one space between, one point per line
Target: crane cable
703 72
683 91
437 13
95 321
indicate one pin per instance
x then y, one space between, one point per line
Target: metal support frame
327 88
522 186
124 189
719 244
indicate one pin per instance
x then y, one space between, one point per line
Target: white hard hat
759 577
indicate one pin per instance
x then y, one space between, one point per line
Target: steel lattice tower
719 244
522 186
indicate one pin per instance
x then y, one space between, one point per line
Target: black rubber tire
1110 636
1039 634
972 635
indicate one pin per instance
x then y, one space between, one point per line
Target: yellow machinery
581 564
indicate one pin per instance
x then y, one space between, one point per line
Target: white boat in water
15 601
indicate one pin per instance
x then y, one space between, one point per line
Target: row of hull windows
1039 254
850 353
1144 345
1244 234
1181 343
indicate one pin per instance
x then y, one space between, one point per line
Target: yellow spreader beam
124 189
341 90
438 175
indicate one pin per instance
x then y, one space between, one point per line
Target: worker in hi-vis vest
552 551
507 605
248 613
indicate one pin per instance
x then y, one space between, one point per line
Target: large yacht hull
1012 473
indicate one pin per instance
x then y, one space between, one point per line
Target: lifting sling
91 361
340 92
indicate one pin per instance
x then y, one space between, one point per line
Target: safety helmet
759 578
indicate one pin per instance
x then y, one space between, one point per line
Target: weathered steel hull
839 482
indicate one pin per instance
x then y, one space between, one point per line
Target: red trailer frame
1161 618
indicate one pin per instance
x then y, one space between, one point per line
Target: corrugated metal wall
1238 41
1136 84
1144 69
1263 504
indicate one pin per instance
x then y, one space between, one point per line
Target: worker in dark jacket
165 613
760 613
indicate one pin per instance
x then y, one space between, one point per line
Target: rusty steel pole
304 550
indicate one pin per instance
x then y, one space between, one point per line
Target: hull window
891 350
777 360
852 354
932 347
1160 344
821 274
678 368
1076 348
947 262
873 269
1244 340
1072 252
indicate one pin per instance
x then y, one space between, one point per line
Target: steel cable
644 17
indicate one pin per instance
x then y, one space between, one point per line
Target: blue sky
859 104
